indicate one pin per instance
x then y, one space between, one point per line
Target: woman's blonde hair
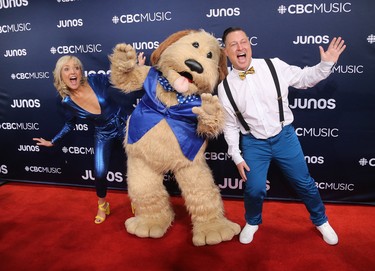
58 82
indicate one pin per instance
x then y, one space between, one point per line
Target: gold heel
105 208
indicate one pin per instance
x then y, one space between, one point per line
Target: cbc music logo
111 176
66 1
29 75
320 104
252 40
371 38
335 186
214 156
224 12
347 69
40 169
5 4
297 9
19 126
317 132
19 27
158 16
74 49
367 162
78 150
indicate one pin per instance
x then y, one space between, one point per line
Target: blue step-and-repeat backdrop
334 120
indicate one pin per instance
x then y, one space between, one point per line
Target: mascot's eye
195 44
209 55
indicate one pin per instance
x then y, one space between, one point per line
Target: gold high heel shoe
105 208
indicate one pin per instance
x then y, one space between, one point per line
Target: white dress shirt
256 99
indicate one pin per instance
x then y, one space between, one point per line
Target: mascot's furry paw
214 232
124 57
210 116
144 227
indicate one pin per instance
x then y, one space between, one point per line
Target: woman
87 98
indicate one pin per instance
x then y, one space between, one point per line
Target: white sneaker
247 233
329 235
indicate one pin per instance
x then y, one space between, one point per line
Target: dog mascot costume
168 132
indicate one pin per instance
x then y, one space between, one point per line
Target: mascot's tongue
188 76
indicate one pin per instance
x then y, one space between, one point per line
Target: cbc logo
221 156
78 150
315 8
39 169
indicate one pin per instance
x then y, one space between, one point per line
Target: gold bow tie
243 74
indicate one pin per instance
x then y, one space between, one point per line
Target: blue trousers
105 137
285 149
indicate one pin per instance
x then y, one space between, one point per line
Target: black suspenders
279 98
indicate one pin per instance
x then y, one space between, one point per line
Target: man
270 134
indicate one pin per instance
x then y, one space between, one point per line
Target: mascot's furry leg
153 212
204 203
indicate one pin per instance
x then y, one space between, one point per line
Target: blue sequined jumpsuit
109 126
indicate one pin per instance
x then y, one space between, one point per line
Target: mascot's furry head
167 132
193 59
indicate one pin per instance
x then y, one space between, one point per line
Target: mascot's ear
223 67
171 39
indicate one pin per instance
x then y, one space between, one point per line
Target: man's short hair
230 30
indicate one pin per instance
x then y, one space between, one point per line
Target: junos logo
29 75
25 103
19 126
312 39
314 160
4 4
313 104
146 45
70 23
81 127
87 73
297 9
111 176
237 184
78 150
20 27
28 148
3 169
224 12
15 52
74 49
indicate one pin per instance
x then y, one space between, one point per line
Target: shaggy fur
158 151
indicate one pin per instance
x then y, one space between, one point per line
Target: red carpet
44 227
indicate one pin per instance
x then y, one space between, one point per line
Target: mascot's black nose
194 65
